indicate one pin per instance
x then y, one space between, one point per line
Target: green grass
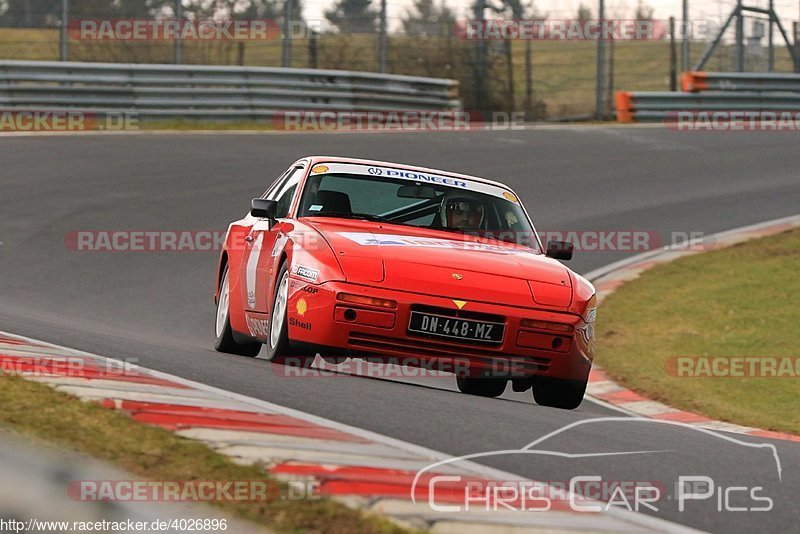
38 411
739 301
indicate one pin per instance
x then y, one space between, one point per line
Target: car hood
445 264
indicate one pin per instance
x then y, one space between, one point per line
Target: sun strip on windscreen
413 176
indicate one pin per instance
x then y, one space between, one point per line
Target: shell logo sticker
458 276
319 169
510 196
302 307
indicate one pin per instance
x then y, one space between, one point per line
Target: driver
460 211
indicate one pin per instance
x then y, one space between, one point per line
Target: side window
276 185
285 193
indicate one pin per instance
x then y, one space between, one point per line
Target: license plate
450 327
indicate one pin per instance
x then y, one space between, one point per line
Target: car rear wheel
278 346
558 393
482 387
224 340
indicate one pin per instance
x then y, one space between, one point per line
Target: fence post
286 60
797 46
176 45
685 61
528 81
382 39
313 41
481 96
64 48
673 60
739 37
601 66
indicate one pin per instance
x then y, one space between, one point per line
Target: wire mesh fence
559 80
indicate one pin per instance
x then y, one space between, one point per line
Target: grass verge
735 302
36 410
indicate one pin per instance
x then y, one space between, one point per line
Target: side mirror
560 250
263 208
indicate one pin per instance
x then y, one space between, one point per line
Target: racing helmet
462 211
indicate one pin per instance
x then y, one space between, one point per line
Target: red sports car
421 267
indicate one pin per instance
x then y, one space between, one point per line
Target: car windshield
491 214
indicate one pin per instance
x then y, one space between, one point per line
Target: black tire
481 387
224 340
557 393
279 350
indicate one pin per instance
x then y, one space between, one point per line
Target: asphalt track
157 309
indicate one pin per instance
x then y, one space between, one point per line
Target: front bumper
316 317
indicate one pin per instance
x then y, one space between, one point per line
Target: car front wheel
278 346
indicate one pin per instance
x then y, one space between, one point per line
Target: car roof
339 159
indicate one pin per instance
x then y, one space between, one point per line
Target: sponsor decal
458 276
257 327
320 169
305 288
302 307
306 272
511 197
422 177
418 176
460 304
392 240
300 324
250 271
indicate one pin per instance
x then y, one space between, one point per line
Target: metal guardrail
713 91
214 92
693 82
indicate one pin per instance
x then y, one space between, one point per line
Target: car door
258 280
